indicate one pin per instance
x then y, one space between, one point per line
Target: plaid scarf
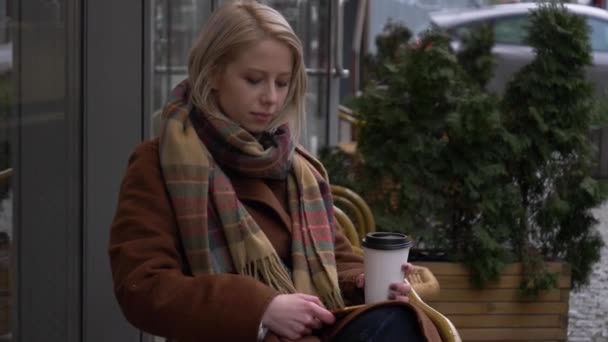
217 232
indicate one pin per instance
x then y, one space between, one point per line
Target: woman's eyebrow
284 73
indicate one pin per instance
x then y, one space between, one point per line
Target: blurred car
510 22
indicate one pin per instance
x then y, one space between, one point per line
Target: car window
511 30
599 34
462 31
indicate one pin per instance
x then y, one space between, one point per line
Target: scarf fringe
333 300
270 270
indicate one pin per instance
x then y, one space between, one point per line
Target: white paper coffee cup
384 254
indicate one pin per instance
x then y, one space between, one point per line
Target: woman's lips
261 116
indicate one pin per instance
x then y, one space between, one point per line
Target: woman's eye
282 84
253 81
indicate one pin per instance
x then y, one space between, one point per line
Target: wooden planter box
498 313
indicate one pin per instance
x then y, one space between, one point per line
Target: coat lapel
256 190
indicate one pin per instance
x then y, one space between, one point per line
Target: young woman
224 229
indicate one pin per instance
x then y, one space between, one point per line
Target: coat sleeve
349 265
154 290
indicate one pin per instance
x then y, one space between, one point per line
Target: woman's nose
270 94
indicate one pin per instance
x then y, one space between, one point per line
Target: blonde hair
232 28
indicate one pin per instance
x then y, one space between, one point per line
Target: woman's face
252 88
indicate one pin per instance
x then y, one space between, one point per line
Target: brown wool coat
153 284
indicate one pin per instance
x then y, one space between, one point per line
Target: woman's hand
296 315
398 291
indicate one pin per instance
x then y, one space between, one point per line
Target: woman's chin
256 129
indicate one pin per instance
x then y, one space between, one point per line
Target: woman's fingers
312 322
398 298
294 333
300 328
303 331
401 288
407 268
360 280
399 292
311 298
322 314
296 330
294 316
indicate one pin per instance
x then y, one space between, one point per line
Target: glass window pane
310 22
175 26
599 34
511 30
6 195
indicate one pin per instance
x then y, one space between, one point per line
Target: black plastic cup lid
387 241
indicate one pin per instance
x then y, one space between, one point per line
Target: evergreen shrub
483 179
